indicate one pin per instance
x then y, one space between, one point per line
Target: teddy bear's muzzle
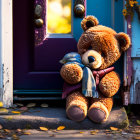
92 59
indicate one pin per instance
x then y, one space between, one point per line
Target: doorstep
54 117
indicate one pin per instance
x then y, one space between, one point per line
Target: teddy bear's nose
91 59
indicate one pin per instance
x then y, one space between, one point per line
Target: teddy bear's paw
71 73
98 113
75 113
110 84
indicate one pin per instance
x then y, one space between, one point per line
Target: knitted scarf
88 81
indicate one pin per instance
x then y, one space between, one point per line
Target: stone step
54 117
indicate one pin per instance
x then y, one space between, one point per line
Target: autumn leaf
94 132
16 112
43 128
1 126
18 104
1 136
3 110
15 137
138 122
113 128
19 130
124 12
7 130
44 105
31 105
136 132
1 104
136 138
27 133
61 128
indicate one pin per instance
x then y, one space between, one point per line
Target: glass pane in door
59 16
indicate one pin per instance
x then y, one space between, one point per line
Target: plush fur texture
106 46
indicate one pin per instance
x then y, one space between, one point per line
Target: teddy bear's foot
100 109
76 106
98 112
75 113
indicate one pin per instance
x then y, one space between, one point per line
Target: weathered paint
128 66
6 65
135 86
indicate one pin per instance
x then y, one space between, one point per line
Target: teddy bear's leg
110 84
76 106
100 109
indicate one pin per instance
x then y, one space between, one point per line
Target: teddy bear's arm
110 84
71 73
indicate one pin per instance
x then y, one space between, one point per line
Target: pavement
52 117
74 135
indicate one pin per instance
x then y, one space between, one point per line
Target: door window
59 16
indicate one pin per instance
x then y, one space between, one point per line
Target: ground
112 133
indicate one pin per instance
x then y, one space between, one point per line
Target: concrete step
54 117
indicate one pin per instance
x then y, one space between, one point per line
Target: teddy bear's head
100 46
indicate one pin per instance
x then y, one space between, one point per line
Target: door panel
36 57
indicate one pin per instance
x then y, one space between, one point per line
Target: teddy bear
90 81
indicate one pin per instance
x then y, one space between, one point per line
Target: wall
135 54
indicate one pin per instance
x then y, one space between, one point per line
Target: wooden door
37 52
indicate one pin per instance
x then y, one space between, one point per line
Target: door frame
6 53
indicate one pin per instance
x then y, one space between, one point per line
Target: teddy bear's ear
89 21
123 40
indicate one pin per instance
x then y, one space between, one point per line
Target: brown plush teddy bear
89 83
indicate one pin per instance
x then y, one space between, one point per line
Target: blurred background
59 16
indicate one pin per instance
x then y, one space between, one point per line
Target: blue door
38 46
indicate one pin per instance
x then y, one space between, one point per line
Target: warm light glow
59 16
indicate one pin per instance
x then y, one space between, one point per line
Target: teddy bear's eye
103 54
90 48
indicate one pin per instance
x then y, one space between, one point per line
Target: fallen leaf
7 130
31 105
3 110
1 126
15 137
61 128
1 136
1 104
138 122
136 138
81 132
52 135
19 130
16 112
113 128
43 128
44 105
136 132
27 133
18 104
23 108
94 132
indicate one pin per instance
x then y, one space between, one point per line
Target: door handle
38 21
79 8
